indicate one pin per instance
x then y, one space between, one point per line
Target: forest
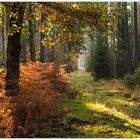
69 70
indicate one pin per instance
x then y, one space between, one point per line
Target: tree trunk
31 33
121 51
136 49
23 45
127 40
114 48
52 48
4 41
13 50
4 37
1 43
42 48
37 34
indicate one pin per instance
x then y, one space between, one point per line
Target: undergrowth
41 88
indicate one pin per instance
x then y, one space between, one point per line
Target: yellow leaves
10 34
51 18
37 15
14 25
13 29
1 23
44 42
57 40
15 15
48 42
37 18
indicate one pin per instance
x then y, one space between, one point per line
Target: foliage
69 68
123 56
36 100
67 19
133 80
101 58
89 61
1 14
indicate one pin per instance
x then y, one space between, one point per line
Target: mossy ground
108 112
101 109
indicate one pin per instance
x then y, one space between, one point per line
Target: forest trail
48 106
102 109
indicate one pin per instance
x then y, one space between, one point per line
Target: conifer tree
101 57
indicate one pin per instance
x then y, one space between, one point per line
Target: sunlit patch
112 111
76 109
124 102
129 134
115 91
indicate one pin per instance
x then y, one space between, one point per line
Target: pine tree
101 57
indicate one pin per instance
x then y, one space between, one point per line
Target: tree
42 47
113 39
52 48
3 37
31 32
127 40
121 54
23 45
13 49
136 49
101 57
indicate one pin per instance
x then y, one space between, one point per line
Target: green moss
110 111
98 111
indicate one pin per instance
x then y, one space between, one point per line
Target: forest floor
53 103
101 109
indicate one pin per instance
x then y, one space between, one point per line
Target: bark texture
13 50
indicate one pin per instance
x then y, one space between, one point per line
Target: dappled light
102 108
124 102
100 112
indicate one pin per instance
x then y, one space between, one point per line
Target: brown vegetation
41 88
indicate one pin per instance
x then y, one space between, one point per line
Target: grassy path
100 110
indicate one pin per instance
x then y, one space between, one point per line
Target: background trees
32 30
122 37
